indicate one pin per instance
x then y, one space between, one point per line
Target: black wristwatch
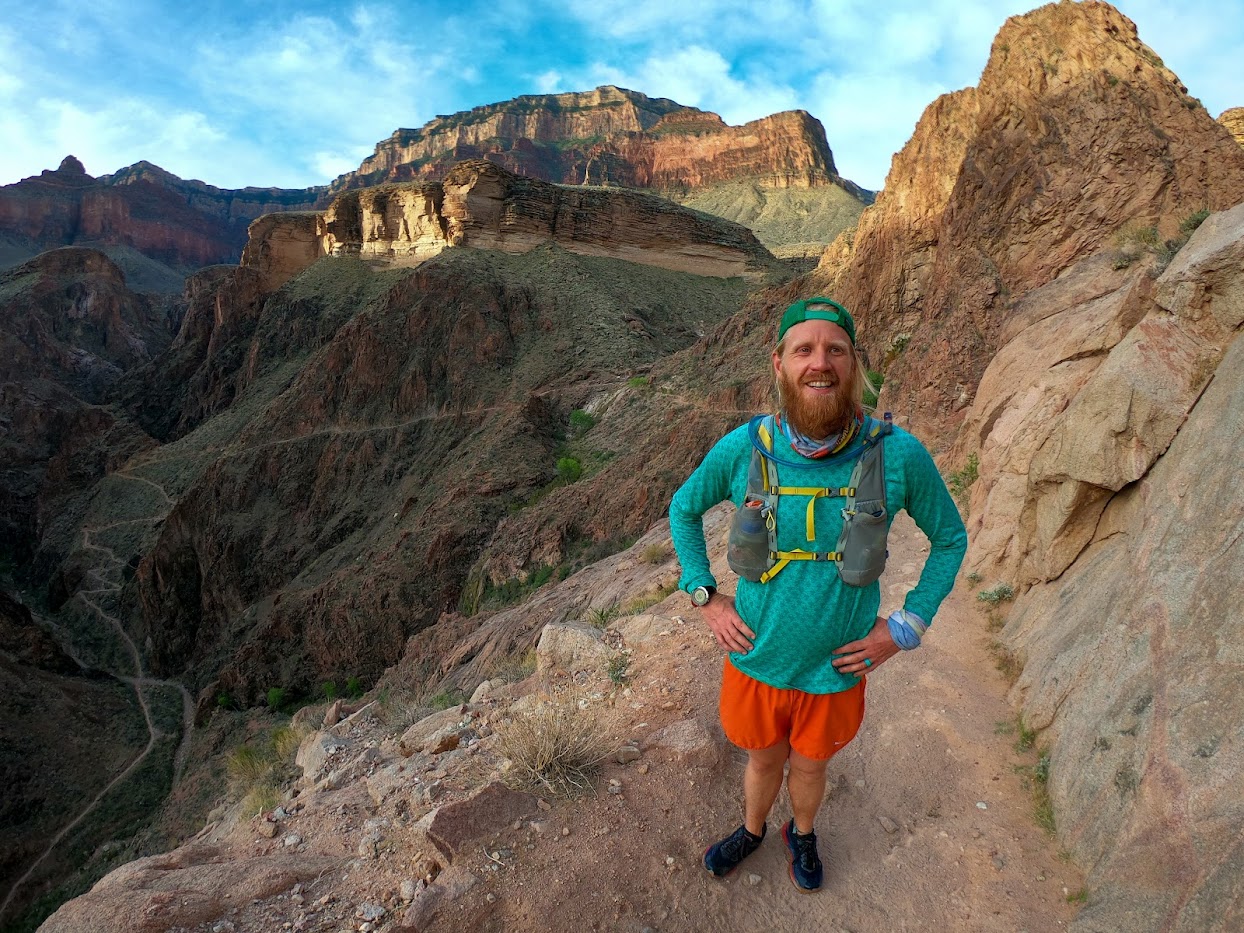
702 594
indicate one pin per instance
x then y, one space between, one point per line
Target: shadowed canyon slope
430 397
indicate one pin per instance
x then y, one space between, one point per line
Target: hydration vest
860 553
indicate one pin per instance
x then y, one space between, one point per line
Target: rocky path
931 822
110 565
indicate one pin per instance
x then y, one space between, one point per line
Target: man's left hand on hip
868 653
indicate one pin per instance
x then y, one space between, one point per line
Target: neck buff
810 447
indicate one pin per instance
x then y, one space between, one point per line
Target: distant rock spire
72 163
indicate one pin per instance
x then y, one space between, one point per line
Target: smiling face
815 365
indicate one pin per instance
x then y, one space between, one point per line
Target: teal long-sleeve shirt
806 613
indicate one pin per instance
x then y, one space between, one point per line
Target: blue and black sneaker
723 857
805 864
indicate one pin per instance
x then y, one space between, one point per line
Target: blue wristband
906 628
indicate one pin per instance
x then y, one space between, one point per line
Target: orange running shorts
818 725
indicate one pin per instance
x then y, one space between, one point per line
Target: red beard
815 416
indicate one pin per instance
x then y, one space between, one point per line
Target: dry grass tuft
558 746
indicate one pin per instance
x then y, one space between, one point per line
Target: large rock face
751 174
1109 428
1076 133
618 137
183 224
483 206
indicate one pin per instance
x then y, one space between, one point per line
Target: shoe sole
791 868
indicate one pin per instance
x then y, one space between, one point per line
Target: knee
807 768
767 764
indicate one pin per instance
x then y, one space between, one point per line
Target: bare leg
806 784
761 782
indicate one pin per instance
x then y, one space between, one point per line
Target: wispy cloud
292 92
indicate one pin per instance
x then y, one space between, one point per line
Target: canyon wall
1076 134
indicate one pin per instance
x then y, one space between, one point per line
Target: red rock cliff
608 136
1076 132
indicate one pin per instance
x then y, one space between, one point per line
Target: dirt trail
137 681
929 823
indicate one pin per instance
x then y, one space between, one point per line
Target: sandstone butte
1035 285
481 205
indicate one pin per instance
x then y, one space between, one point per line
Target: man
799 645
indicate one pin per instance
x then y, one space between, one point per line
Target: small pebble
565 830
754 879
981 805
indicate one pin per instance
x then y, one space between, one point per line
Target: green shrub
569 469
638 382
447 698
354 688
276 698
329 689
581 422
876 380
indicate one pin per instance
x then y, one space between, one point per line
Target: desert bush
657 553
640 603
285 742
960 481
249 764
557 746
601 616
998 593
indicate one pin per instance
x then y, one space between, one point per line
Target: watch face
701 595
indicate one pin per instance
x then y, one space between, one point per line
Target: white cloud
550 82
868 119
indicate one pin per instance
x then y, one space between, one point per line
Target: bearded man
799 639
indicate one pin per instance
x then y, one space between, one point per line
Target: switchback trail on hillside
931 821
137 681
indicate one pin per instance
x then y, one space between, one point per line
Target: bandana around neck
810 447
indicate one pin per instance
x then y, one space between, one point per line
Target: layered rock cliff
617 137
183 224
482 206
1077 133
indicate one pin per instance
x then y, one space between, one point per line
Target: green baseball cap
817 309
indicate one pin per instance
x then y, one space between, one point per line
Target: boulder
567 647
493 807
189 886
688 742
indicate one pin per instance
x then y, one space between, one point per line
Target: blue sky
292 94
